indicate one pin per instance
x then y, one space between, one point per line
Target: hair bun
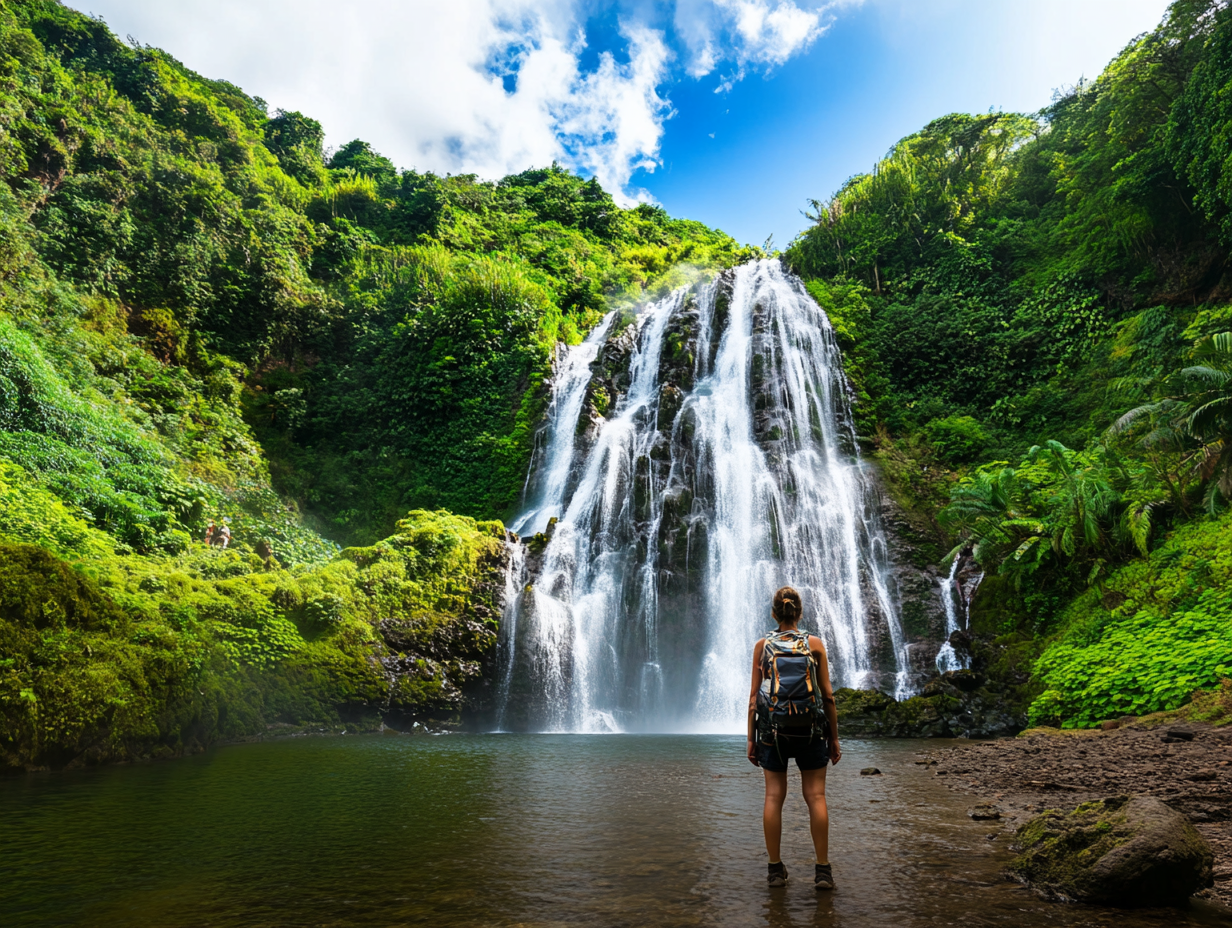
786 606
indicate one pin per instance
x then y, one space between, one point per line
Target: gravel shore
1188 766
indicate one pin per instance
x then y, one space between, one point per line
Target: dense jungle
207 316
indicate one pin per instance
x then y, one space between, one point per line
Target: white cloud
612 121
746 32
477 86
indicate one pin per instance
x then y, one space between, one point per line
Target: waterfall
946 658
697 457
951 590
568 394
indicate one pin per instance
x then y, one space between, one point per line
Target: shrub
956 439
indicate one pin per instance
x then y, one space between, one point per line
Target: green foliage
33 515
120 655
1192 415
1061 512
956 439
1199 130
1160 629
1004 256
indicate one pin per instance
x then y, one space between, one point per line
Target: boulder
1131 852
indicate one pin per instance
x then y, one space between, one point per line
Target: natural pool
500 830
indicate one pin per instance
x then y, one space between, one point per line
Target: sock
822 863
775 863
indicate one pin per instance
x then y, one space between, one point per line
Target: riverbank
1187 765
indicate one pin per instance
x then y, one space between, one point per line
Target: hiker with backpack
792 714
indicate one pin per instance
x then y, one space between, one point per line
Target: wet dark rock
913 549
1128 852
870 772
943 711
966 680
1180 734
671 398
984 812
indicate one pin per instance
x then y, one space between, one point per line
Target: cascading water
568 395
954 595
947 659
698 458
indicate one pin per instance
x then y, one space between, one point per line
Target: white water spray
727 467
947 659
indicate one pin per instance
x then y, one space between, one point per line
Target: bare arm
750 750
818 647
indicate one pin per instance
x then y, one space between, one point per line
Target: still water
500 830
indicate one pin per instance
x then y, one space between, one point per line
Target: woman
812 746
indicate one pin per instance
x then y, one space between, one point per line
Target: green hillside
1034 311
205 316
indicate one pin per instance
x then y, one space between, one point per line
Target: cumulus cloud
746 33
480 86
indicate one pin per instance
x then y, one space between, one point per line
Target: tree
296 140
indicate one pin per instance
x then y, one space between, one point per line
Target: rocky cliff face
918 583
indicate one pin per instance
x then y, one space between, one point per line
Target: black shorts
811 753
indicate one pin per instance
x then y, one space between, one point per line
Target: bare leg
772 813
814 783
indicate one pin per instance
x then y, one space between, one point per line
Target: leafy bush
33 515
1139 665
956 439
1159 629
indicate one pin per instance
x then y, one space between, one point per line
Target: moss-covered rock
941 711
123 657
1129 852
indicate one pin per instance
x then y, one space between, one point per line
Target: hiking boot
823 877
776 875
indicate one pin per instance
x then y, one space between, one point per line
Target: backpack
789 699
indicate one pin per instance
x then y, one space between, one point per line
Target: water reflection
500 830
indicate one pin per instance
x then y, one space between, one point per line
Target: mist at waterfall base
697 457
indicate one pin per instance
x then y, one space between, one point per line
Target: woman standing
813 742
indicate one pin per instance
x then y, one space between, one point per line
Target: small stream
499 830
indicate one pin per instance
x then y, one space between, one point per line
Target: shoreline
1187 765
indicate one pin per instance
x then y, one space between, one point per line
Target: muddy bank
1189 767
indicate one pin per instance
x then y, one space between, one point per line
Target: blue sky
733 112
880 72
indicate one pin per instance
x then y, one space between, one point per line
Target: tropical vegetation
1035 312
206 316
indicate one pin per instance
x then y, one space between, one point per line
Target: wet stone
984 812
1131 852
